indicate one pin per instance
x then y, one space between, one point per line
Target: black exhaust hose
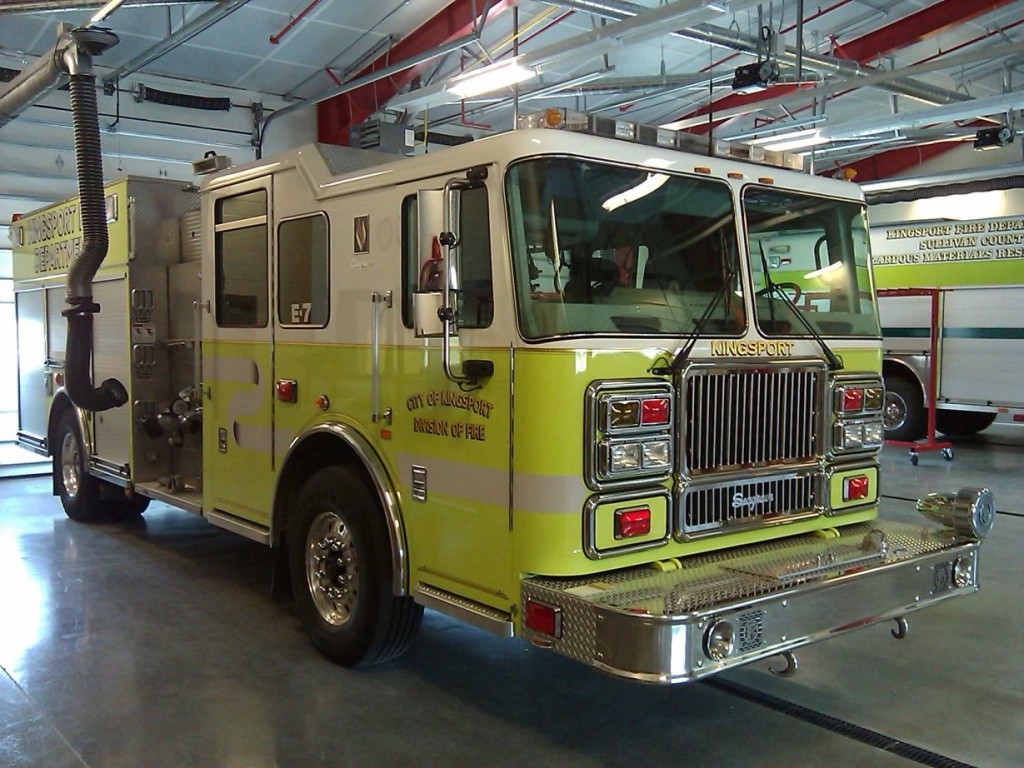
92 208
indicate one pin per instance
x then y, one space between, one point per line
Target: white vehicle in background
961 235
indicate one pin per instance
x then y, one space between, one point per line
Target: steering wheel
797 292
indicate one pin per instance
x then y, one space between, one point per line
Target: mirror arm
447 312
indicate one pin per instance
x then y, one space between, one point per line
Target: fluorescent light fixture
775 131
652 182
490 78
105 11
797 140
825 272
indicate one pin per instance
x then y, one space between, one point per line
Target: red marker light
855 488
632 522
853 399
287 390
655 411
542 618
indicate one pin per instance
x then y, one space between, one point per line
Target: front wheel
341 572
904 416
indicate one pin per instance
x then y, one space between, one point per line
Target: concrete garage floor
155 644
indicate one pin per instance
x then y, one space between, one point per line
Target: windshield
816 251
603 249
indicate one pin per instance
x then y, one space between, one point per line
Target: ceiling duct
942 190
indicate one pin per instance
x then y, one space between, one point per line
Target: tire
131 506
85 498
79 491
904 414
963 422
340 561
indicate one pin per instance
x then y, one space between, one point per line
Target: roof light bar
652 135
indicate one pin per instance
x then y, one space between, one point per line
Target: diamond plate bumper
652 626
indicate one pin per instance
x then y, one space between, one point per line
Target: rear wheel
85 498
341 572
79 491
904 415
963 422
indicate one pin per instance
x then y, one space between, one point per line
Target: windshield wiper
834 363
683 352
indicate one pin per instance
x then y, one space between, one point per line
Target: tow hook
902 628
791 665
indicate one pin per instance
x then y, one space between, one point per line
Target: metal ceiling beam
57 6
336 116
784 98
183 35
737 41
824 65
588 45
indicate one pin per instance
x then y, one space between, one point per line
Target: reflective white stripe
549 494
486 485
543 494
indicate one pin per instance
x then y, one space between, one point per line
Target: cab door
238 340
452 440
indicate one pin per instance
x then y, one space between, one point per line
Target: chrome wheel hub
69 459
894 415
332 568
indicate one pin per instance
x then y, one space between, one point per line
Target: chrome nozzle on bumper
969 511
730 608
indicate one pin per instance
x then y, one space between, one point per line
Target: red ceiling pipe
275 39
916 27
337 116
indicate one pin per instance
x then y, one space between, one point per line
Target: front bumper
655 626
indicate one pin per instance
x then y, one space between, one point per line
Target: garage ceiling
875 76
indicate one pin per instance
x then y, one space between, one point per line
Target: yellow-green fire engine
576 383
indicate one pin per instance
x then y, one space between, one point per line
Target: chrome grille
706 508
749 418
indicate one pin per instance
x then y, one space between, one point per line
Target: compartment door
452 444
238 338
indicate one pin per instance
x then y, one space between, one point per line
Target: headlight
858 435
873 434
853 436
656 454
625 457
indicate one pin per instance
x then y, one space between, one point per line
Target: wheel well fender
328 445
894 366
